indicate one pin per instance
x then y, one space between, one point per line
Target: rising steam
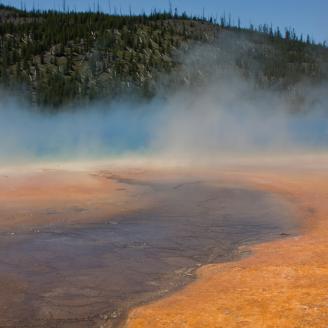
225 114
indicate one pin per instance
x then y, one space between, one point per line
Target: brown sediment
105 241
46 197
282 284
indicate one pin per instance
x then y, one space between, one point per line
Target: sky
307 17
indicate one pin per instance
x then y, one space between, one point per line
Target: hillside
54 58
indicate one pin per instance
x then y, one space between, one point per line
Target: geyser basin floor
82 274
282 284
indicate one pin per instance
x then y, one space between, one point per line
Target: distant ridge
59 58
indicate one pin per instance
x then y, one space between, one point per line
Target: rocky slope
54 58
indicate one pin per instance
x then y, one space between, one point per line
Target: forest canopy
58 58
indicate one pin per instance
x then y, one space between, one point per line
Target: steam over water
219 113
214 122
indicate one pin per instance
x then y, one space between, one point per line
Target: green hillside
54 58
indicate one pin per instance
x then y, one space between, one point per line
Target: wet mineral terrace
89 274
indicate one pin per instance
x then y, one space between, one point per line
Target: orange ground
37 197
282 284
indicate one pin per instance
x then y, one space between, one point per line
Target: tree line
55 58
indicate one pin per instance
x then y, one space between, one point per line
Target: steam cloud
226 114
